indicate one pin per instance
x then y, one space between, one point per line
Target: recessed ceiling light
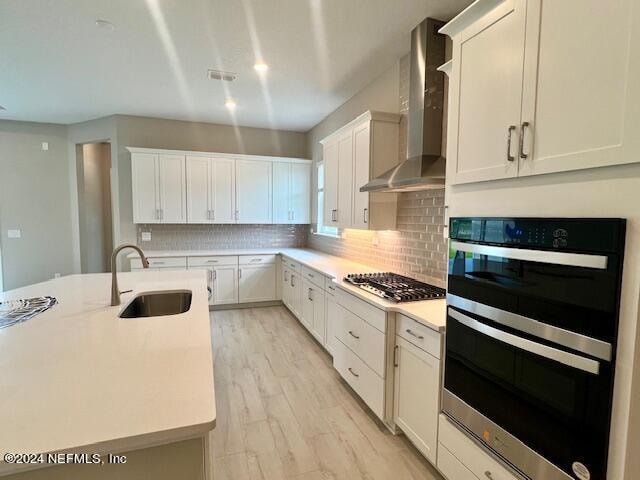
261 67
105 24
230 104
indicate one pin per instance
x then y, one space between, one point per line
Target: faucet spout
115 291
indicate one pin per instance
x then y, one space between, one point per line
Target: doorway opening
93 162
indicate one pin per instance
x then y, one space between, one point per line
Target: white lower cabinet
416 396
225 285
257 283
313 310
460 458
332 314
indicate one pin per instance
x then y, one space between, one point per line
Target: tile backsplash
417 249
202 237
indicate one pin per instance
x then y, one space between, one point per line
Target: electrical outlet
146 236
14 234
45 145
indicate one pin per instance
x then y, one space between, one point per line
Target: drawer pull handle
510 157
331 288
488 475
212 261
352 372
354 335
157 263
419 337
256 259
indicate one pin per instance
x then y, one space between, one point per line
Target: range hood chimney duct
424 167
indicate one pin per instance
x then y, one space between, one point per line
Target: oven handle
566 358
542 256
576 341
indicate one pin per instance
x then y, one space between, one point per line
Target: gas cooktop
394 287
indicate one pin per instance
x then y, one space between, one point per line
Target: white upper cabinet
331 176
534 89
300 193
223 190
199 190
355 154
200 187
581 85
144 176
253 191
291 192
159 186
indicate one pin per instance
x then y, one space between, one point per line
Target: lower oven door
545 410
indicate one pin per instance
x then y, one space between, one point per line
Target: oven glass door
553 400
579 297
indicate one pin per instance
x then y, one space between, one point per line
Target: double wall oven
532 321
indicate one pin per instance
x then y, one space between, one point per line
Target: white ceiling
57 66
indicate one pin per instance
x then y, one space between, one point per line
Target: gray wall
34 197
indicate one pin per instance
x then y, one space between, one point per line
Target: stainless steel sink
158 304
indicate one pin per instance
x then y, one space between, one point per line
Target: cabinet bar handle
215 275
310 296
292 282
354 335
488 475
510 157
419 337
352 372
365 216
395 356
523 155
239 273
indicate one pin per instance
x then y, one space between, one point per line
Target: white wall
34 197
604 192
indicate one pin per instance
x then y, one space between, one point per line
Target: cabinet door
223 190
361 174
172 186
578 84
345 180
306 313
417 393
295 284
253 191
225 285
257 283
318 326
286 288
281 192
487 77
198 189
300 193
331 175
144 173
333 316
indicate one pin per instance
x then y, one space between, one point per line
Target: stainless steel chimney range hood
424 167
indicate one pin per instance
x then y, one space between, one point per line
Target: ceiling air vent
220 75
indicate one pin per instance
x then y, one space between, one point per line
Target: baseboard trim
235 306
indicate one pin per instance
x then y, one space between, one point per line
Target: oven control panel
571 234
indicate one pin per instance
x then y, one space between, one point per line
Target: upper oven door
574 292
553 400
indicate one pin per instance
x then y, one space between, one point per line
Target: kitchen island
79 379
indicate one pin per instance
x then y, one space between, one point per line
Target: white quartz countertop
431 313
79 378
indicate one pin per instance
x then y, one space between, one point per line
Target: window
321 227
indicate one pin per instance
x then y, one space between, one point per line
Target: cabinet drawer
372 315
364 340
330 285
313 276
164 262
256 259
212 261
420 335
292 264
368 385
469 453
451 467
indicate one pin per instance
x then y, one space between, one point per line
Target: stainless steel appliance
394 287
532 318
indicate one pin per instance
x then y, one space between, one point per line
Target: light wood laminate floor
285 413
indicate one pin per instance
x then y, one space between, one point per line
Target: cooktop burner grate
394 287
